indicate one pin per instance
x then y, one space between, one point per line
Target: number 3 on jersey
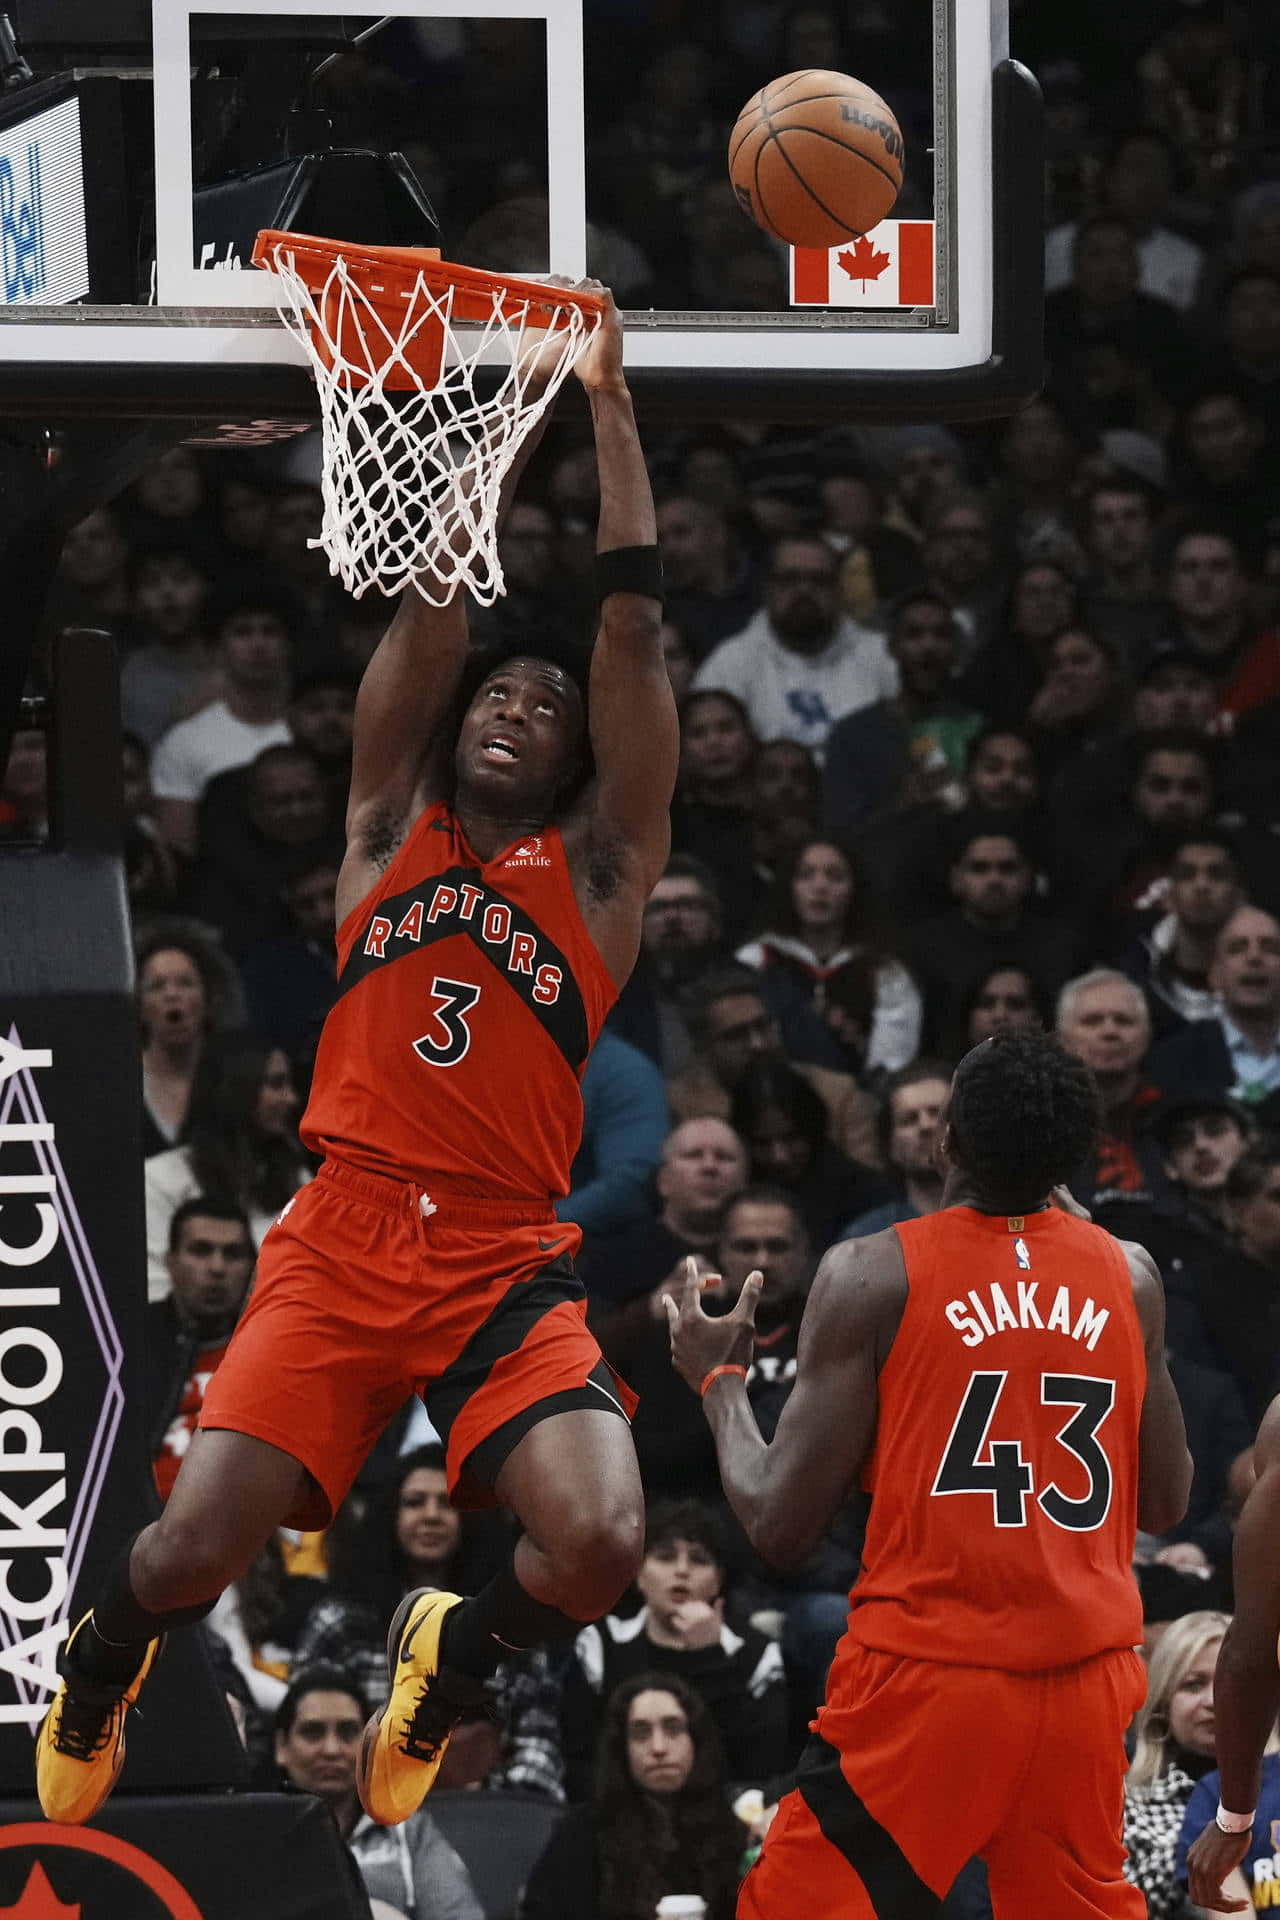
452 1036
1004 1474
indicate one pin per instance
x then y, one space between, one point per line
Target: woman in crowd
1079 707
820 928
1007 997
1174 1746
411 1869
657 1823
187 991
242 1144
410 1536
785 1128
711 812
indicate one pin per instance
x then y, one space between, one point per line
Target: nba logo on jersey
1023 1253
528 854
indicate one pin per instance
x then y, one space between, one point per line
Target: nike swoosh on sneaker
407 1642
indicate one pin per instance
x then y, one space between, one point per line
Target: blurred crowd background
980 728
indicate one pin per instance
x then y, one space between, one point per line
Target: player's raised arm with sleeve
634 732
1246 1684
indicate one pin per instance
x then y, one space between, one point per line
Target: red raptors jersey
469 996
1004 1474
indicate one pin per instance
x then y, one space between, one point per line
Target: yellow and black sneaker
403 1746
80 1746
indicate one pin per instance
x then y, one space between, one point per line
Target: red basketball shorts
368 1291
915 1767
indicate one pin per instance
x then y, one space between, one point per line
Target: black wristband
629 570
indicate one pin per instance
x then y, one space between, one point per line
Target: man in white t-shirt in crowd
1138 186
252 654
800 664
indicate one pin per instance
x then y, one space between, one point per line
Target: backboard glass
546 135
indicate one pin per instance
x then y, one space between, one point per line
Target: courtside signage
44 255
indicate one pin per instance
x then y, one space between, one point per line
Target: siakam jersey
1004 1475
469 997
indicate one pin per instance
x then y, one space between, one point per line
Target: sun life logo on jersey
528 854
1023 1253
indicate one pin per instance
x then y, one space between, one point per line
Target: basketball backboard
547 135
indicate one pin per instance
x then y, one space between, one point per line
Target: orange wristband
715 1373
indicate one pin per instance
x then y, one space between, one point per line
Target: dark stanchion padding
75 1480
499 1837
250 1856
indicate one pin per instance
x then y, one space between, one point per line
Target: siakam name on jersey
976 1319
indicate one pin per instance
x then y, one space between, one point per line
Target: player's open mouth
498 748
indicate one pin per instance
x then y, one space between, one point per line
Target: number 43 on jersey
974 1463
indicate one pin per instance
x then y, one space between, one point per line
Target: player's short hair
207 1206
923 1068
323 1677
565 652
1023 1116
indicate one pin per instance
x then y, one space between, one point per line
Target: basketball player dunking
489 909
1246 1682
995 1374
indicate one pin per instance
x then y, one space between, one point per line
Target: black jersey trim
514 1314
563 1018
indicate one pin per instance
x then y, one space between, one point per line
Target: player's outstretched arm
1246 1683
634 734
1164 1462
787 1493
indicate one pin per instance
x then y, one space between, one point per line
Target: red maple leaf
39 1901
861 261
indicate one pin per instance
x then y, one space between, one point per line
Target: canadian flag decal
890 266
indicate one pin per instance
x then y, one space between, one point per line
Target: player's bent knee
176 1564
600 1555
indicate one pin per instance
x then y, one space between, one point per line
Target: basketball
816 158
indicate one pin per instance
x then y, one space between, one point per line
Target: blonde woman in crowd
1174 1747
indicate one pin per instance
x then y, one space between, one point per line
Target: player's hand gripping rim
698 1342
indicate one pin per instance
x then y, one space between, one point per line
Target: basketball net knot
414 453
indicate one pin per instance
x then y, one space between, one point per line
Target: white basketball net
412 478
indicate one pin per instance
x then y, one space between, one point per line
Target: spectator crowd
980 729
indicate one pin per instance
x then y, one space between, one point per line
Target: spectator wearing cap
913 744
1238 1051
915 1101
252 646
800 664
1137 186
703 1163
1209 614
1175 692
993 922
923 463
711 589
680 940
732 1025
1102 1019
681 1629
1171 959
